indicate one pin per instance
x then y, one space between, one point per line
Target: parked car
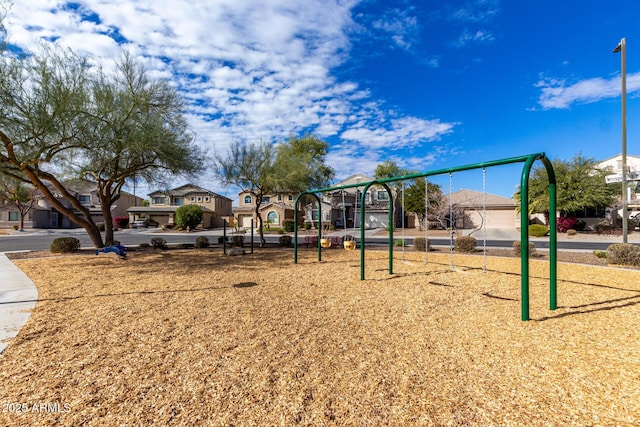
139 223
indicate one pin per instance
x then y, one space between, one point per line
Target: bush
538 230
600 254
221 239
189 216
121 221
286 241
237 241
517 246
400 242
202 242
580 225
421 244
623 253
307 226
465 244
158 243
63 245
288 225
606 227
144 245
565 223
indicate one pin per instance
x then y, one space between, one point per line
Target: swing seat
325 243
349 244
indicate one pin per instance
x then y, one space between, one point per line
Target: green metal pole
362 218
319 228
553 237
524 238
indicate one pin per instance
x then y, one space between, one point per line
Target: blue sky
426 84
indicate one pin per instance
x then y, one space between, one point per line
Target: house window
290 197
279 197
199 199
247 200
193 199
158 200
383 195
207 199
178 201
266 199
272 218
84 199
14 216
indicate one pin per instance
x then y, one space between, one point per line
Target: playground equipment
528 161
117 249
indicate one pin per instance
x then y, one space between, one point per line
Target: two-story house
164 203
343 207
44 215
274 209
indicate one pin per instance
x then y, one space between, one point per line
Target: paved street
35 240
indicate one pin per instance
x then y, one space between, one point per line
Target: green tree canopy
64 119
295 165
580 185
414 201
189 216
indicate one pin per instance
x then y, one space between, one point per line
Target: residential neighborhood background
340 209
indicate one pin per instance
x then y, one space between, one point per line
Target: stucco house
633 186
501 212
44 215
274 209
164 203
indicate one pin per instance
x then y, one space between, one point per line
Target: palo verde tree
63 119
262 168
580 185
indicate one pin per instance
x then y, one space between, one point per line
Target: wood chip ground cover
199 338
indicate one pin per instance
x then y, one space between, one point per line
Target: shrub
189 216
144 245
538 230
623 253
63 245
202 242
580 225
565 223
15 227
221 239
121 221
606 227
400 242
517 246
307 226
237 241
158 243
286 241
421 244
288 225
600 254
465 244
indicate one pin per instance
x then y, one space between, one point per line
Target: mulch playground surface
199 338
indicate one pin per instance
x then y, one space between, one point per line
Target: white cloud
249 69
556 93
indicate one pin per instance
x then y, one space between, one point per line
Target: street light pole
622 48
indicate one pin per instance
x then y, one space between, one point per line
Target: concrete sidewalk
18 296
